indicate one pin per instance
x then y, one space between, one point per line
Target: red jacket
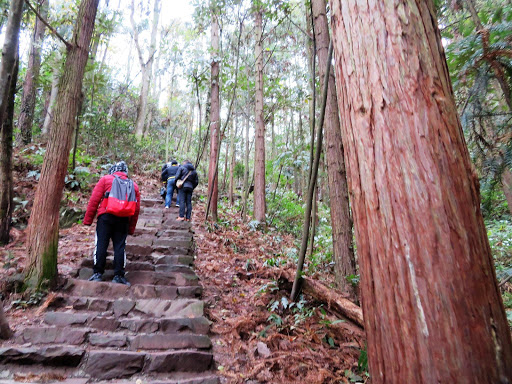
99 204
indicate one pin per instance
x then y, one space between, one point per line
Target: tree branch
66 43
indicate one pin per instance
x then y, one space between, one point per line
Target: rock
47 335
263 350
100 340
182 361
176 341
154 292
70 216
105 365
171 309
123 307
52 355
65 318
104 323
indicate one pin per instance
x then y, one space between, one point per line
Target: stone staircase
153 332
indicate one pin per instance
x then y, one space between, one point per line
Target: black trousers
115 228
185 196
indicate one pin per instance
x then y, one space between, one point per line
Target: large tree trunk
213 180
338 191
28 100
6 179
146 66
43 230
432 308
8 76
259 146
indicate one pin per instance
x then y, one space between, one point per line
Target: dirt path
152 332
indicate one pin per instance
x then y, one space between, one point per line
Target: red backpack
121 200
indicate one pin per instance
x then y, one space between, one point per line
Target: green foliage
286 212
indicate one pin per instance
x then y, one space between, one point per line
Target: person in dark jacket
169 176
187 173
110 226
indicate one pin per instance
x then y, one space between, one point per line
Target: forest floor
258 335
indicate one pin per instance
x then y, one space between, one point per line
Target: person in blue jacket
169 176
188 174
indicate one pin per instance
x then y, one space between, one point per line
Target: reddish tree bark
259 145
8 76
31 82
432 308
213 179
5 330
43 229
337 177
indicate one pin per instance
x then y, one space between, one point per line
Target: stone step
169 341
150 203
168 378
135 277
106 365
123 307
130 265
174 233
162 278
86 289
163 244
53 355
198 325
53 335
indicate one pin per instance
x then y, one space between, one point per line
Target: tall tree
259 145
28 100
8 75
43 229
338 191
432 307
213 180
145 65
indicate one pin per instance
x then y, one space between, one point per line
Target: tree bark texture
259 148
213 180
43 230
341 221
6 177
28 100
8 75
432 308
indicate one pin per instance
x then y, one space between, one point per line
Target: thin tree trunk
233 163
6 178
53 97
341 221
5 331
259 149
77 128
30 85
427 274
228 147
43 230
146 66
246 158
311 186
8 76
213 180
506 181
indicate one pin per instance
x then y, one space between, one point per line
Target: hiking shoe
95 277
180 219
166 207
120 280
177 205
187 219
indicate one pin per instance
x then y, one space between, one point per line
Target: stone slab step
171 341
163 244
130 265
172 378
162 278
52 335
173 259
198 325
149 203
174 233
54 355
123 307
105 365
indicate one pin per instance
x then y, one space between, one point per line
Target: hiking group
116 200
184 179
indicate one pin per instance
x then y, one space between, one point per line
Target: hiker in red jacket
109 225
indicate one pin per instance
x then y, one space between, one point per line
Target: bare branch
52 30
